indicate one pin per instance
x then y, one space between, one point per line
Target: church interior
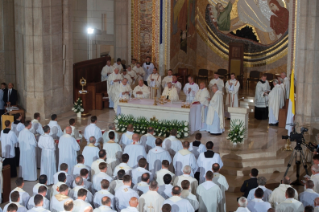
52 52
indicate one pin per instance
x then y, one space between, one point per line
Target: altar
169 111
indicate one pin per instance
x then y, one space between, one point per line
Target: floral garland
237 131
161 128
77 107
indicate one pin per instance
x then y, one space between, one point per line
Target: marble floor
263 149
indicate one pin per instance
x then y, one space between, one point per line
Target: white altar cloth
169 111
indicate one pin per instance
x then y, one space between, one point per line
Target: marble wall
122 32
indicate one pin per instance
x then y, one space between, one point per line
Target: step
240 155
268 169
254 163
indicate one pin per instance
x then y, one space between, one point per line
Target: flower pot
78 114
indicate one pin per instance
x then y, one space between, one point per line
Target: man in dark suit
251 183
10 95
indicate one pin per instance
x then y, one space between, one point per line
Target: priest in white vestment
123 166
81 204
154 80
143 186
101 194
170 92
34 200
179 204
315 177
97 178
15 199
128 77
139 171
151 200
156 156
309 195
36 125
165 190
218 82
203 97
76 171
118 65
168 78
278 195
135 151
124 193
133 63
187 176
126 138
55 129
105 136
206 160
186 194
90 152
95 169
93 130
257 204
261 181
176 84
190 89
232 88
133 203
160 174
148 140
113 81
48 165
206 191
79 184
183 158
141 91
148 68
106 71
133 76
113 151
24 196
140 73
172 144
64 169
124 92
242 203
68 148
290 204
74 131
58 200
276 99
221 181
261 98
286 84
196 147
28 163
215 114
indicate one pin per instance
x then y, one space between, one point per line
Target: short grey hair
187 169
315 168
242 202
153 185
79 181
275 81
111 126
281 80
261 181
284 73
92 139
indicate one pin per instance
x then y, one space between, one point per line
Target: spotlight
90 30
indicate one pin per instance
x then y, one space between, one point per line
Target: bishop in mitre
232 87
128 77
114 81
170 92
139 71
154 80
141 91
124 91
261 98
203 97
286 84
216 81
168 78
106 71
133 76
276 102
215 115
190 89
118 65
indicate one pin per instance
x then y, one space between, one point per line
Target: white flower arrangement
236 132
77 106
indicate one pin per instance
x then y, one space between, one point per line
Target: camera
298 137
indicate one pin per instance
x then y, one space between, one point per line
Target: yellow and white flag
291 105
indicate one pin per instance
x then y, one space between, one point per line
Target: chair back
222 72
254 74
203 73
270 76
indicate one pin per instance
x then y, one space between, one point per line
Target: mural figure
223 15
280 20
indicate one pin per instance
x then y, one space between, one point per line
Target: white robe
141 188
123 196
179 205
178 86
57 202
113 152
75 132
103 208
137 175
190 95
24 196
155 158
172 145
216 107
69 178
232 93
160 174
206 164
258 205
80 205
148 141
136 152
48 165
123 166
183 158
90 153
97 198
219 82
242 209
28 162
148 70
156 83
93 130
74 194
118 66
36 187
140 73
150 201
193 182
126 139
39 209
113 87
55 130
186 194
307 197
267 193
290 205
275 102
129 209
17 128
36 127
261 101
95 166
104 73
278 195
144 89
106 137
133 77
205 192
287 87
171 93
77 170
165 190
46 203
315 180
202 96
221 181
119 94
21 208
8 141
129 79
68 148
114 185
97 178
86 184
197 150
166 80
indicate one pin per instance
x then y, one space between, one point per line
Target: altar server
203 96
186 194
123 166
128 77
133 76
141 91
215 114
156 156
232 88
135 151
8 141
93 130
257 204
74 131
113 151
106 71
140 73
90 152
309 195
126 138
151 200
148 140
154 80
207 190
290 204
68 148
24 196
206 160
182 158
170 92
48 165
176 84
55 129
148 68
36 125
105 136
276 102
162 172
141 169
124 193
118 65
97 178
261 98
187 170
125 91
97 199
221 181
58 200
286 84
168 78
190 89
179 204
172 144
114 81
28 144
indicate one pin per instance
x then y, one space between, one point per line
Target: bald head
135 137
68 130
286 180
133 202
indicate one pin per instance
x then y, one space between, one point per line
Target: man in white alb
14 205
55 129
36 128
261 98
172 144
76 171
106 71
93 130
125 91
203 97
154 80
151 200
101 194
135 151
124 193
80 204
176 84
221 181
34 204
143 185
128 77
126 138
216 81
276 102
90 152
118 65
58 200
286 84
165 190
215 114
186 194
133 63
148 69
186 176
113 151
97 178
141 169
133 76
141 91
161 173
117 182
74 131
96 163
105 136
179 204
232 88
24 196
113 81
257 204
140 73
183 158
168 78
132 205
63 169
170 92
190 89
290 204
123 166
148 140
261 181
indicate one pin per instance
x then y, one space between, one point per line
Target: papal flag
291 105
